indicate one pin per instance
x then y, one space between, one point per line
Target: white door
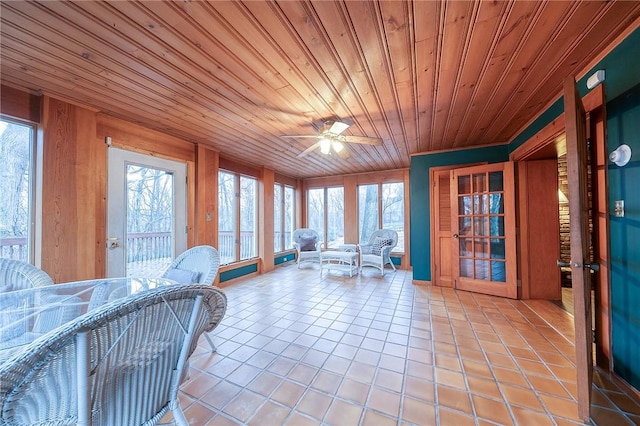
146 213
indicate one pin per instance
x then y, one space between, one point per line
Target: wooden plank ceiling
423 75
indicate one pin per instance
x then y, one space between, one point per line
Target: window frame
285 244
237 231
324 235
399 249
34 225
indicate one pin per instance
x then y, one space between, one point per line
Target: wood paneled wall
74 193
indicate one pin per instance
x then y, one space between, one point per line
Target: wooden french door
483 229
575 118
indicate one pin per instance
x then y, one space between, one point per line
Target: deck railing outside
14 248
149 247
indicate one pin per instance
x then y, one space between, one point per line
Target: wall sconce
621 155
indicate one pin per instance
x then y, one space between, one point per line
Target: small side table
348 247
340 260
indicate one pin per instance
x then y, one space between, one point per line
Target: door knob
593 266
113 243
455 236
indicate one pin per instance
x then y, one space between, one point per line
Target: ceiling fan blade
361 140
299 136
308 150
341 151
338 127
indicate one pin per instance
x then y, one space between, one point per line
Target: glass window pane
497 203
315 211
393 211
482 269
16 141
479 183
481 247
465 226
248 217
277 218
226 217
466 268
367 211
495 182
289 216
335 217
498 248
465 247
464 184
498 271
150 213
464 205
481 226
497 226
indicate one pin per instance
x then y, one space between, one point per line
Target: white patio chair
16 275
198 264
377 252
120 364
307 244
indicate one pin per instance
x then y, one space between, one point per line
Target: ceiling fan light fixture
338 146
325 145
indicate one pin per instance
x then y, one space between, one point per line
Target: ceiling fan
330 138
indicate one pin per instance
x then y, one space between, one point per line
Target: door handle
593 266
113 243
455 236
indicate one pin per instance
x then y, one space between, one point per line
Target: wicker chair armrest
365 248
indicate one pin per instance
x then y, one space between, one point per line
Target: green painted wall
623 126
622 81
289 257
419 192
238 272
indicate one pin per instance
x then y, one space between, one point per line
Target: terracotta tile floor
296 348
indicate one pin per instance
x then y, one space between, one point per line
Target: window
17 142
237 220
283 198
325 214
384 211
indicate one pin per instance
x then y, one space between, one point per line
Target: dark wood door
575 118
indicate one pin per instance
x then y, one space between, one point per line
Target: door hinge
186 229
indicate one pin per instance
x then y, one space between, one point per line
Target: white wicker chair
120 364
204 261
377 252
16 275
298 237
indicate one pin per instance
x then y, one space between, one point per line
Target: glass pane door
146 213
150 224
483 239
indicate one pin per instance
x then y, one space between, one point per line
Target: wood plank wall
73 193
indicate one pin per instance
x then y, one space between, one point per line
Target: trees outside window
283 199
315 211
325 214
381 212
335 217
248 217
16 190
237 217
